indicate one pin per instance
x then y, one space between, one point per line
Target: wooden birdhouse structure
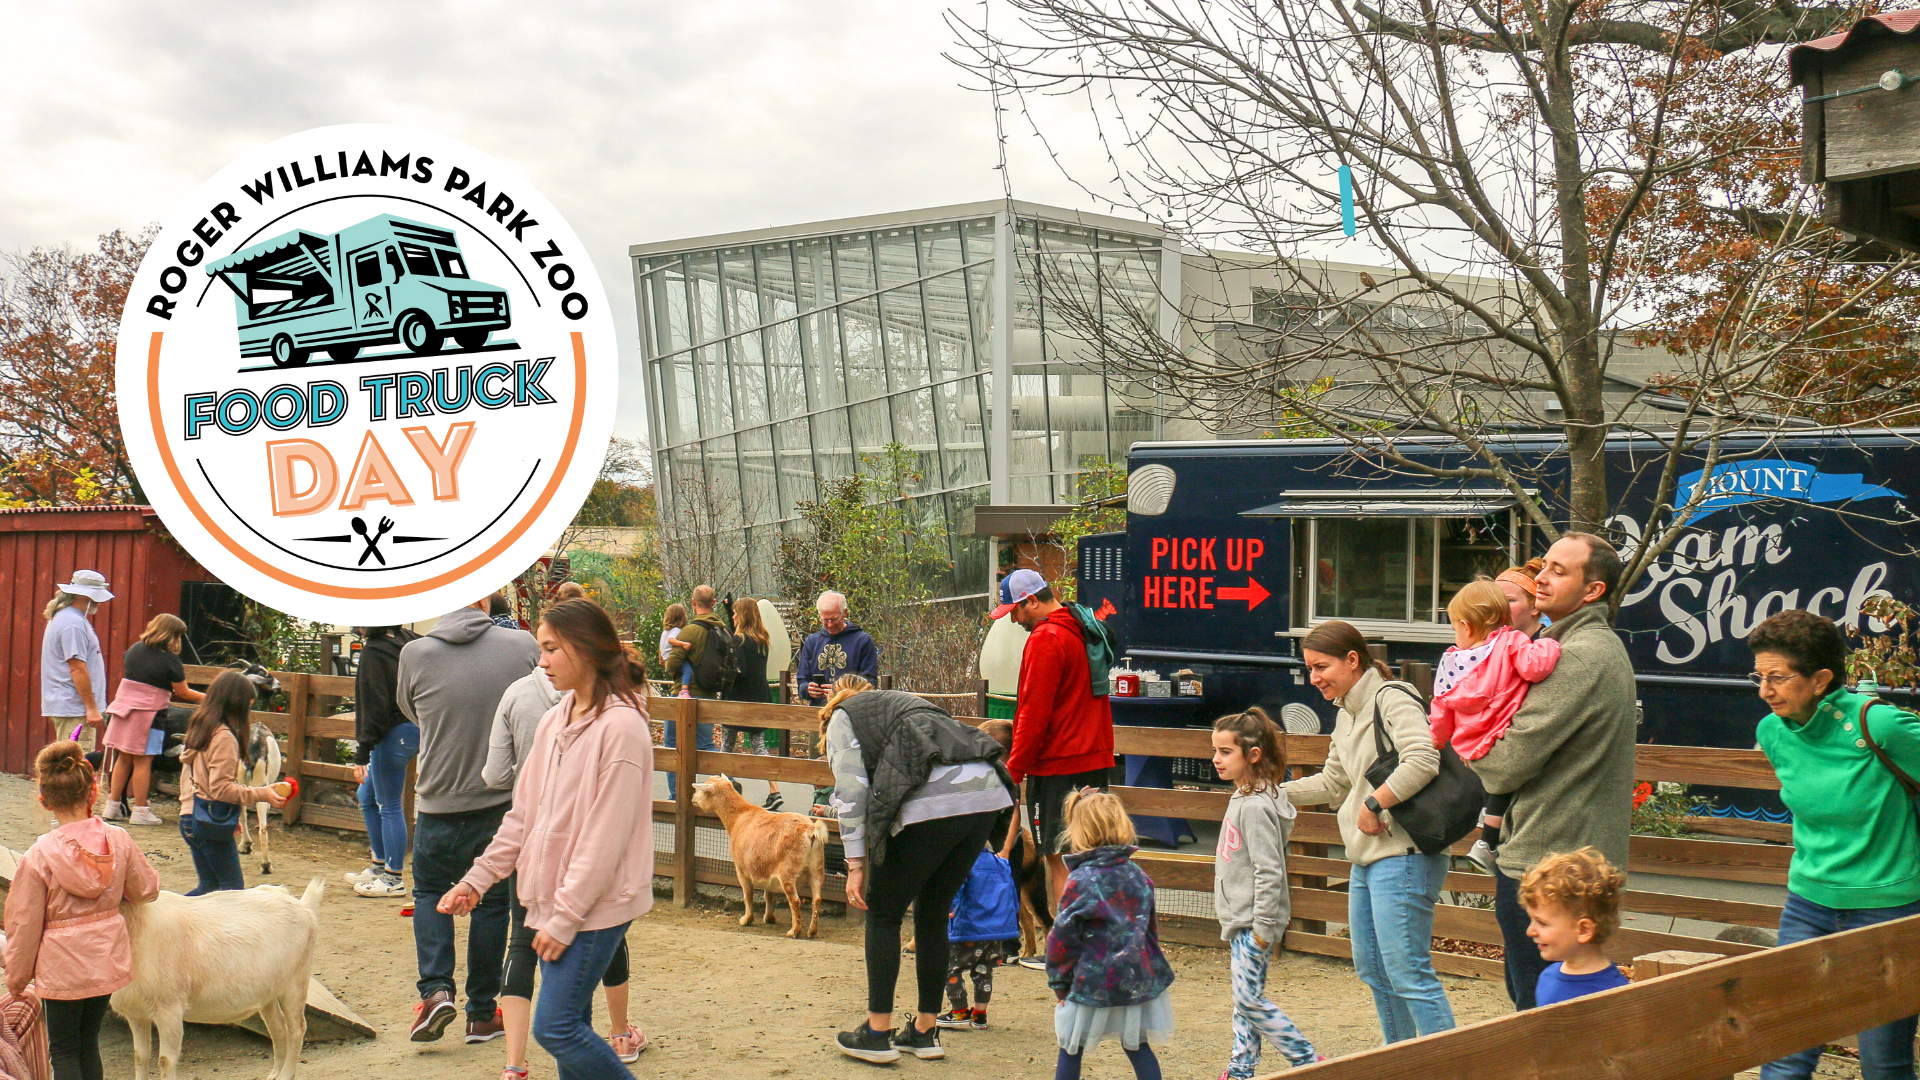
1860 93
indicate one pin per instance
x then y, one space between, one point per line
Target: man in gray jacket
1568 757
450 684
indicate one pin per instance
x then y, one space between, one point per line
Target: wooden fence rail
311 724
1316 897
1700 1024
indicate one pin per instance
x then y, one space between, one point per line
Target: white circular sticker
366 375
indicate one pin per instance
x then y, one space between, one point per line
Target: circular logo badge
366 375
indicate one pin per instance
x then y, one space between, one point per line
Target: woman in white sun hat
73 673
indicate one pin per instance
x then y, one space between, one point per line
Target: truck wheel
472 339
417 333
343 352
285 354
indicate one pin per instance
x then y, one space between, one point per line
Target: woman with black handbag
1394 885
212 798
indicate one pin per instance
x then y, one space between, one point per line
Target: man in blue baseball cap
1062 733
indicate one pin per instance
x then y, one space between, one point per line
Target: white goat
218 959
263 749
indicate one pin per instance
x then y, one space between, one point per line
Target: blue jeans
216 859
702 740
1524 962
1390 912
380 803
1886 1052
563 1017
444 848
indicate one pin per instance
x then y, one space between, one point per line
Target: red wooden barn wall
42 547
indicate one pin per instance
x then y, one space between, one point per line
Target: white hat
90 584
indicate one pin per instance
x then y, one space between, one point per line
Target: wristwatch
1373 804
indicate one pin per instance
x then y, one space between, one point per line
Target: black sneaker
979 1019
955 1019
868 1045
924 1045
774 802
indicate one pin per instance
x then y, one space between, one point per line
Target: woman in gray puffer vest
917 793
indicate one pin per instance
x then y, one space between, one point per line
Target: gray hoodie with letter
1250 865
450 684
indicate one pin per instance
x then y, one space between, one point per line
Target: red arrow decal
1252 594
1106 609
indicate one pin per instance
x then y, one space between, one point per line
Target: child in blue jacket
986 914
1103 956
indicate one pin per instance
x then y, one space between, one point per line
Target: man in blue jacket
837 648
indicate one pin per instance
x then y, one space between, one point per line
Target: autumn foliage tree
1543 185
60 307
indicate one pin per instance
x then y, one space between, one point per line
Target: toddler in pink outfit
65 933
1479 685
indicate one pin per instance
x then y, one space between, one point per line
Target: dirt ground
716 999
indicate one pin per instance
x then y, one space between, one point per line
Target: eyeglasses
1758 679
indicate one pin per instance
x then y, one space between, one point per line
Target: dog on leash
766 848
219 958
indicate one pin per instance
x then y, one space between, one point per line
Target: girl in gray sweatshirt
1250 883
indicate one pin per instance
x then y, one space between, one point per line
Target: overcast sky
640 121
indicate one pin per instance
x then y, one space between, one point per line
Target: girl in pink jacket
1479 685
579 833
65 933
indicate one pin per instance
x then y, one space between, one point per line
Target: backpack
718 664
1101 653
987 907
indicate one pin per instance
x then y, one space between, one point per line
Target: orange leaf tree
59 426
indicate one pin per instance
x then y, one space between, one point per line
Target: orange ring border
341 592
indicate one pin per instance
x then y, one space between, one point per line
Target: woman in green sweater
1856 848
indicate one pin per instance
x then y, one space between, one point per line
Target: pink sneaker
628 1045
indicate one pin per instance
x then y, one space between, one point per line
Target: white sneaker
144 815
1481 856
113 811
372 871
385 887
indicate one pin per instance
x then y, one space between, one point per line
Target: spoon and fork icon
373 542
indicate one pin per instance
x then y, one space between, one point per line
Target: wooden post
683 884
980 698
1419 674
296 757
886 682
1654 965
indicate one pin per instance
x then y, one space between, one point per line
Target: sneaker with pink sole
628 1045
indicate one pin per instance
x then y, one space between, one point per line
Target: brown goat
790 849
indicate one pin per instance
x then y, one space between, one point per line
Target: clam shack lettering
1698 586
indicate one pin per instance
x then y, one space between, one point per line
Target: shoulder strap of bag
1912 787
1381 744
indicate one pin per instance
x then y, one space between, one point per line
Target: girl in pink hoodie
65 933
578 834
1480 684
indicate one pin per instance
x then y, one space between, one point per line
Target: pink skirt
128 734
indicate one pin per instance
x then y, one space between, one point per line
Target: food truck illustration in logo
385 281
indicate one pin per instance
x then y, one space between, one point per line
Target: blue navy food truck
1234 550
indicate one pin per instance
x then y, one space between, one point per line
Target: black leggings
516 977
927 862
73 1036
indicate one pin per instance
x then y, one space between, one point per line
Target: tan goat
790 849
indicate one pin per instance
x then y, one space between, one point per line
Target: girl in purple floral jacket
1103 956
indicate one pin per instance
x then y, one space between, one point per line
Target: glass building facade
779 359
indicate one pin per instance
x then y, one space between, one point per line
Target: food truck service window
1374 560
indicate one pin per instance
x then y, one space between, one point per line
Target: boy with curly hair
1574 902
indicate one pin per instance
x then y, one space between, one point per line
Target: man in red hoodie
1062 733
